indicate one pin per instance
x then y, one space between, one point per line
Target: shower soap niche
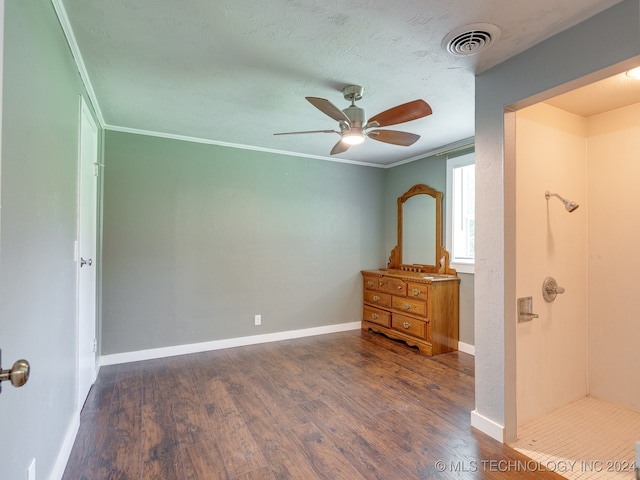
525 310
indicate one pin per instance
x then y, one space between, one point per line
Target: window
461 217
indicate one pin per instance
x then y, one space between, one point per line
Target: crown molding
84 76
436 151
207 141
77 56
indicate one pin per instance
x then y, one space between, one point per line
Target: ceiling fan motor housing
356 115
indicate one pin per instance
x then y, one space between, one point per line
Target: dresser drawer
417 291
378 298
372 314
393 285
415 307
370 283
410 326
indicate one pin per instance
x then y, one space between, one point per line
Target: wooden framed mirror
419 247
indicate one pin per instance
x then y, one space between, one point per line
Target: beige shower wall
587 342
614 256
552 350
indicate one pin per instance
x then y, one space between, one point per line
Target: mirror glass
419 230
419 247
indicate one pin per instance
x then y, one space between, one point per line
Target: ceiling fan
354 126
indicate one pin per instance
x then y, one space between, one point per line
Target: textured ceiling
599 97
237 71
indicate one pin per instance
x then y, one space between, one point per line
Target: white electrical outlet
31 471
258 320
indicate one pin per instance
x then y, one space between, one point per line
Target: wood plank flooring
352 405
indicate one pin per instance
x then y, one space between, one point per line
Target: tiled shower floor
587 439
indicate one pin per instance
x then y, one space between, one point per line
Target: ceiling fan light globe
353 138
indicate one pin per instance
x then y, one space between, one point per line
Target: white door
1 89
87 234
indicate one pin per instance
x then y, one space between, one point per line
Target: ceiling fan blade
340 147
401 113
308 131
328 108
394 137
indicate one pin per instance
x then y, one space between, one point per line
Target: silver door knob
18 374
84 262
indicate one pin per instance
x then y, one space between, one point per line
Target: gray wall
38 216
200 238
467 308
574 57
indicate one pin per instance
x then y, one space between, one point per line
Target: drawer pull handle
415 291
399 287
374 315
370 283
376 298
407 306
406 325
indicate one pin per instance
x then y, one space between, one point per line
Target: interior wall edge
606 39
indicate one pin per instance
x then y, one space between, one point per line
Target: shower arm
548 194
569 205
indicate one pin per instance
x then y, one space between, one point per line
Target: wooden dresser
419 308
416 297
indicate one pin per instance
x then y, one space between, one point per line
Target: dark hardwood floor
351 405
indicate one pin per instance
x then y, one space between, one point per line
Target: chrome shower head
569 205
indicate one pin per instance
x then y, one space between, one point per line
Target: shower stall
585 344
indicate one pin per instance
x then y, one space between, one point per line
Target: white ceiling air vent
470 39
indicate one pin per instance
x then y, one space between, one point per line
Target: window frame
453 163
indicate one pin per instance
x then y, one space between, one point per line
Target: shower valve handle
554 288
550 289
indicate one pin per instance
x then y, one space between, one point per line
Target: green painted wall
199 238
38 228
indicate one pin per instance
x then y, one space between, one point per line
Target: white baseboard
488 426
466 348
125 357
65 449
